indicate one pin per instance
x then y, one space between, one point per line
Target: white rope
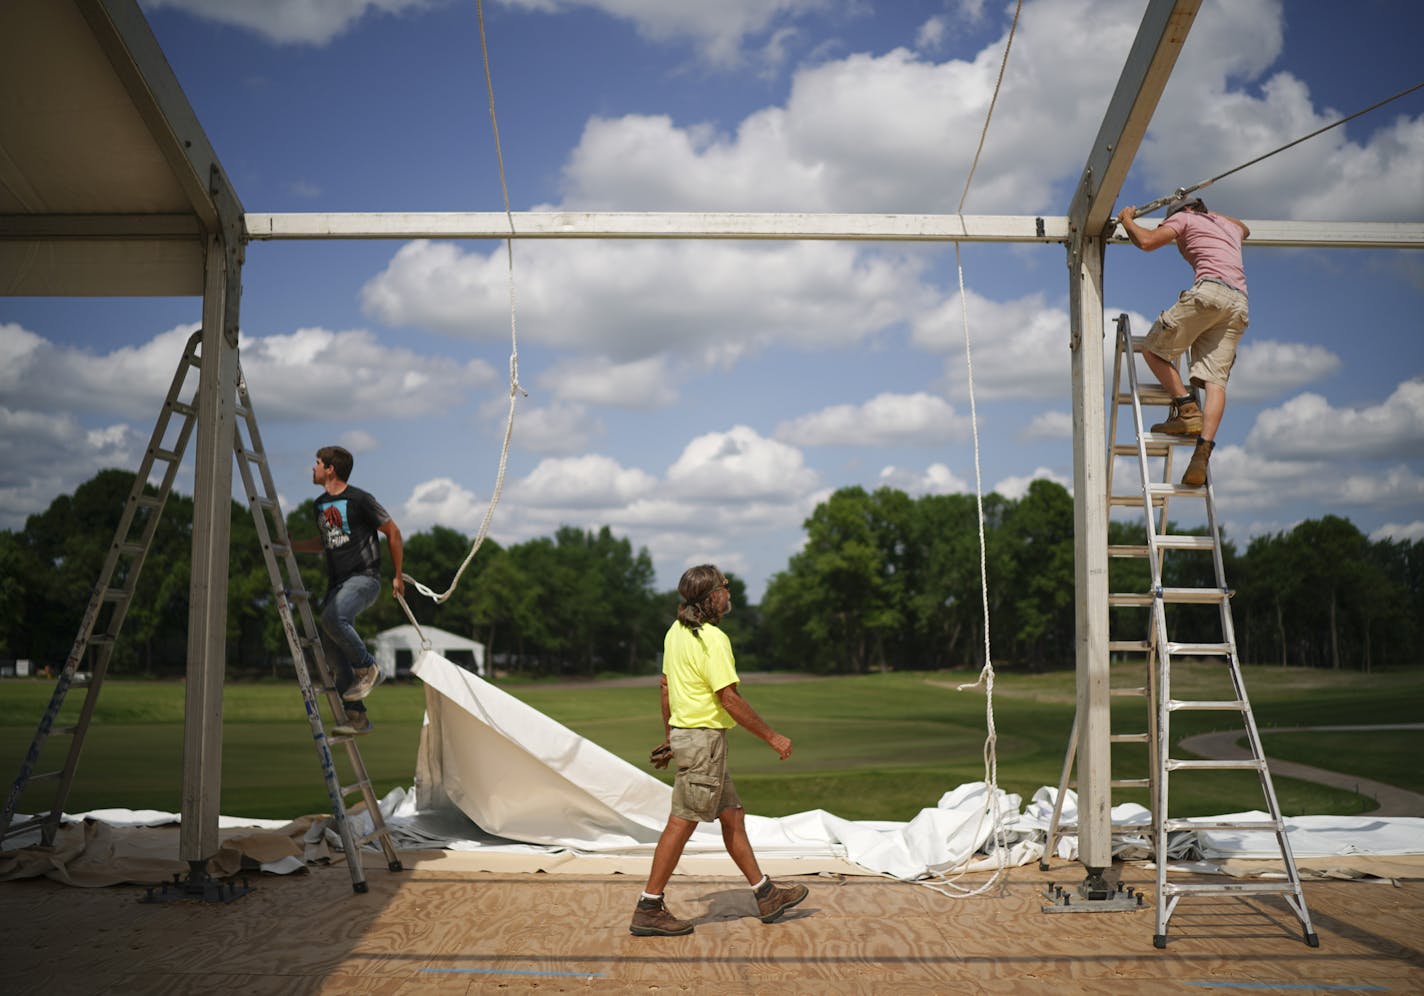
515 389
946 883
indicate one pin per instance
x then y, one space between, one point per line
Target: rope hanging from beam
515 389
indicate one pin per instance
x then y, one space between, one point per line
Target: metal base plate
205 889
1082 900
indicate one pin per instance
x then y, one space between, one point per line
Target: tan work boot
1196 470
773 900
652 919
1184 418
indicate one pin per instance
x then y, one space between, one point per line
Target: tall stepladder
1165 650
113 592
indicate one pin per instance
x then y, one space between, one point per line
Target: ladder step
148 501
1131 783
1167 439
44 776
15 829
114 595
1245 764
1132 501
1126 550
1200 649
183 408
280 549
132 549
1130 449
1202 596
1140 693
167 456
1225 705
1137 646
1272 825
1176 490
1228 888
1127 738
1148 395
1184 542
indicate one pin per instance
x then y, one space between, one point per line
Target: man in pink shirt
1208 319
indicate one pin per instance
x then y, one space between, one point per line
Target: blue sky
701 397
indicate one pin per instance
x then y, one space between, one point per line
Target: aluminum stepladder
1153 498
114 591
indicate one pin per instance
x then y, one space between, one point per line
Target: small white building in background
397 648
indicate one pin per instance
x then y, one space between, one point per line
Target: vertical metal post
212 519
1090 554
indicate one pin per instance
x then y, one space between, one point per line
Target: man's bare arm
741 710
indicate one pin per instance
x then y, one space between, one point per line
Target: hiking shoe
1184 418
773 900
1196 470
367 678
652 919
357 724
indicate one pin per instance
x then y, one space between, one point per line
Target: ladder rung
1140 693
1127 550
1222 705
1128 598
1167 439
1203 596
280 549
168 456
1131 646
256 456
1272 825
1148 396
114 594
132 549
1227 889
15 829
1130 449
1244 764
296 594
365 839
1200 649
148 501
260 502
1127 738
46 775
1184 542
1176 490
1131 783
182 407
101 640
1131 501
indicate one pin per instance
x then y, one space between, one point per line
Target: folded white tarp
522 776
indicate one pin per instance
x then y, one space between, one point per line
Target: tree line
883 580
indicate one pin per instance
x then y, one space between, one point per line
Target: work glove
660 755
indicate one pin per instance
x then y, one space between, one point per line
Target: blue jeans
347 650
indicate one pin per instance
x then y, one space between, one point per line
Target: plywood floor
434 930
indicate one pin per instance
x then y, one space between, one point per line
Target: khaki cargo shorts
703 787
1208 319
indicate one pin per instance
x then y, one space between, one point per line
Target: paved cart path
1392 801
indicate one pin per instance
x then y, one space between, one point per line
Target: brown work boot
1184 418
652 919
773 900
1196 470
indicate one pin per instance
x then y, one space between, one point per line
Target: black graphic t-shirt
348 524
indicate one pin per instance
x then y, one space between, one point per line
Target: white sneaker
367 678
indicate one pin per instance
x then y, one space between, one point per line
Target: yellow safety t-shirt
698 665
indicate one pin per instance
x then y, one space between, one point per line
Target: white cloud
1400 532
44 454
1019 348
639 384
1309 427
717 29
307 374
318 373
1245 480
313 22
931 35
1050 425
937 479
885 420
557 429
708 302
583 482
1269 369
442 502
1015 487
359 441
739 465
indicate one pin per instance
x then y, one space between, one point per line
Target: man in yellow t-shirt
700 703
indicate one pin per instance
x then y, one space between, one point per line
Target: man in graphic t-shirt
1208 319
350 522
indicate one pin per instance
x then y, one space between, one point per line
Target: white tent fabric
528 782
389 642
520 775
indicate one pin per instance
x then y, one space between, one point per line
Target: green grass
867 747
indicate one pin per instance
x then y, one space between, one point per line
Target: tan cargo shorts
1208 319
703 787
